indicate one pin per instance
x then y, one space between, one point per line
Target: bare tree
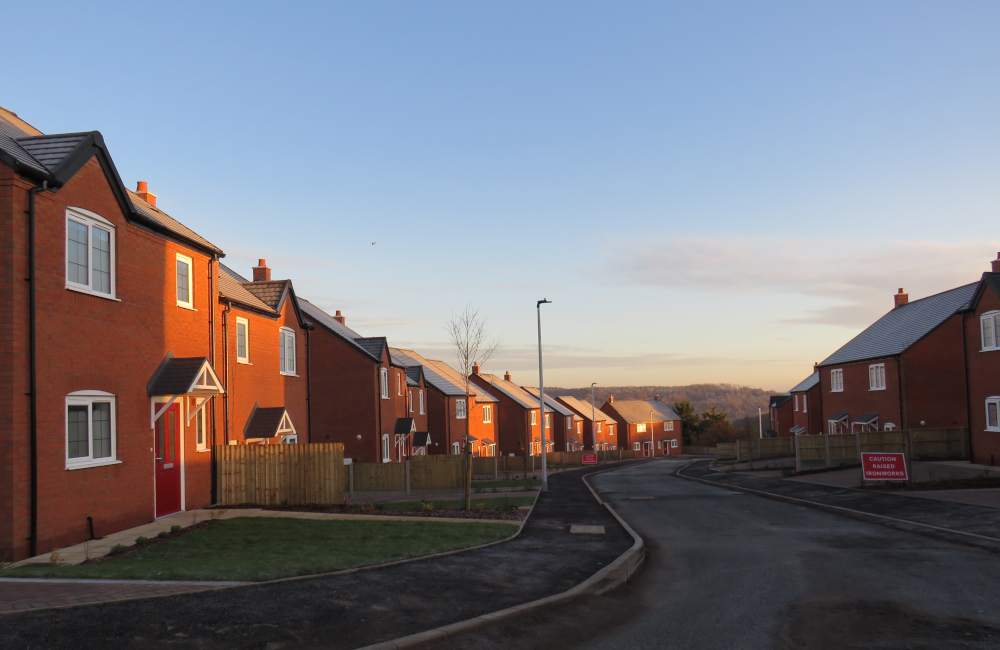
473 346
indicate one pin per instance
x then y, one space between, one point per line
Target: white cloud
859 276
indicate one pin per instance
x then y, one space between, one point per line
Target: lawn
530 483
457 504
264 548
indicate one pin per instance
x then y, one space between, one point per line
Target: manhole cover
586 530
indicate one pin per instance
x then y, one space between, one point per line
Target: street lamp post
541 395
760 423
593 418
652 443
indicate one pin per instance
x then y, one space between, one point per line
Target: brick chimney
475 368
143 191
261 272
611 399
996 264
656 397
901 298
506 376
339 317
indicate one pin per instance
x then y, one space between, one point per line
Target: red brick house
981 321
905 371
520 430
781 416
447 409
584 434
263 340
807 407
562 425
108 349
358 396
649 427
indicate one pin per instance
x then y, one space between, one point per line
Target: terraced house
562 426
588 436
981 322
647 426
807 407
520 430
109 345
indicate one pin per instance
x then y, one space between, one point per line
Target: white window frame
200 422
288 367
548 420
805 403
420 394
673 443
399 384
455 449
795 398
409 401
246 340
989 322
386 449
640 428
579 428
876 376
837 380
90 220
534 418
383 377
189 303
995 402
88 398
600 427
668 426
636 446
889 426
461 410
487 414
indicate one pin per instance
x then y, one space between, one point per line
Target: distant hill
731 398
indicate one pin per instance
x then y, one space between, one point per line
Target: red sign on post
883 466
590 459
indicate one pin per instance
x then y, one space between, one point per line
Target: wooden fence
276 474
917 444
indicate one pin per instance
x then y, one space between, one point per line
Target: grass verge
265 548
530 483
457 504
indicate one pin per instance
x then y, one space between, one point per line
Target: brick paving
24 594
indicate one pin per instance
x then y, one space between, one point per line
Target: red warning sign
590 459
883 466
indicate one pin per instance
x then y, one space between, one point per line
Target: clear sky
707 191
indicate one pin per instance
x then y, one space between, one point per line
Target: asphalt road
730 570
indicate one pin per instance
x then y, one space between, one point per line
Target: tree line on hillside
711 413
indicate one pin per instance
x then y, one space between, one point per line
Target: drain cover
586 530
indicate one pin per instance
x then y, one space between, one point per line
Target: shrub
426 506
162 533
140 540
368 507
117 549
479 507
283 504
176 529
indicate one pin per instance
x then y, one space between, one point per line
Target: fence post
738 450
857 441
826 451
798 456
496 469
350 477
909 450
407 477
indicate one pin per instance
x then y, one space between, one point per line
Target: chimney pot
339 318
901 298
506 375
996 264
611 398
656 397
142 189
475 368
261 272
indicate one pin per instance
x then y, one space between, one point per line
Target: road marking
586 530
639 498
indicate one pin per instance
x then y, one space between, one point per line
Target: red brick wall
90 343
933 370
783 418
512 432
812 417
984 381
857 399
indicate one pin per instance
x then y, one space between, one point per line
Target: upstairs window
242 342
837 381
805 403
876 376
399 384
989 325
409 401
579 427
548 420
569 424
90 429
668 426
993 414
460 409
600 427
286 343
420 395
90 253
487 413
185 288
384 382
796 400
534 418
640 428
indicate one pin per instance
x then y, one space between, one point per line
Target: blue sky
708 192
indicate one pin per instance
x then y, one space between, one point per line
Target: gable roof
895 332
583 409
549 401
989 279
329 323
520 396
439 375
56 158
231 288
413 373
271 292
637 410
806 383
777 401
180 376
266 422
374 345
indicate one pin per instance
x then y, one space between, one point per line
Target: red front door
168 462
647 448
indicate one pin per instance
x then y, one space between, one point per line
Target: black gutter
33 370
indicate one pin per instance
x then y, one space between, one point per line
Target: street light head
543 301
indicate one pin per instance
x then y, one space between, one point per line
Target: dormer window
90 253
989 325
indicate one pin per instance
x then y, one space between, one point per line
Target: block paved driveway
18 594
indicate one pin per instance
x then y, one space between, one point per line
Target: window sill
874 389
990 350
993 430
202 451
244 362
836 391
186 306
286 374
89 292
93 464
